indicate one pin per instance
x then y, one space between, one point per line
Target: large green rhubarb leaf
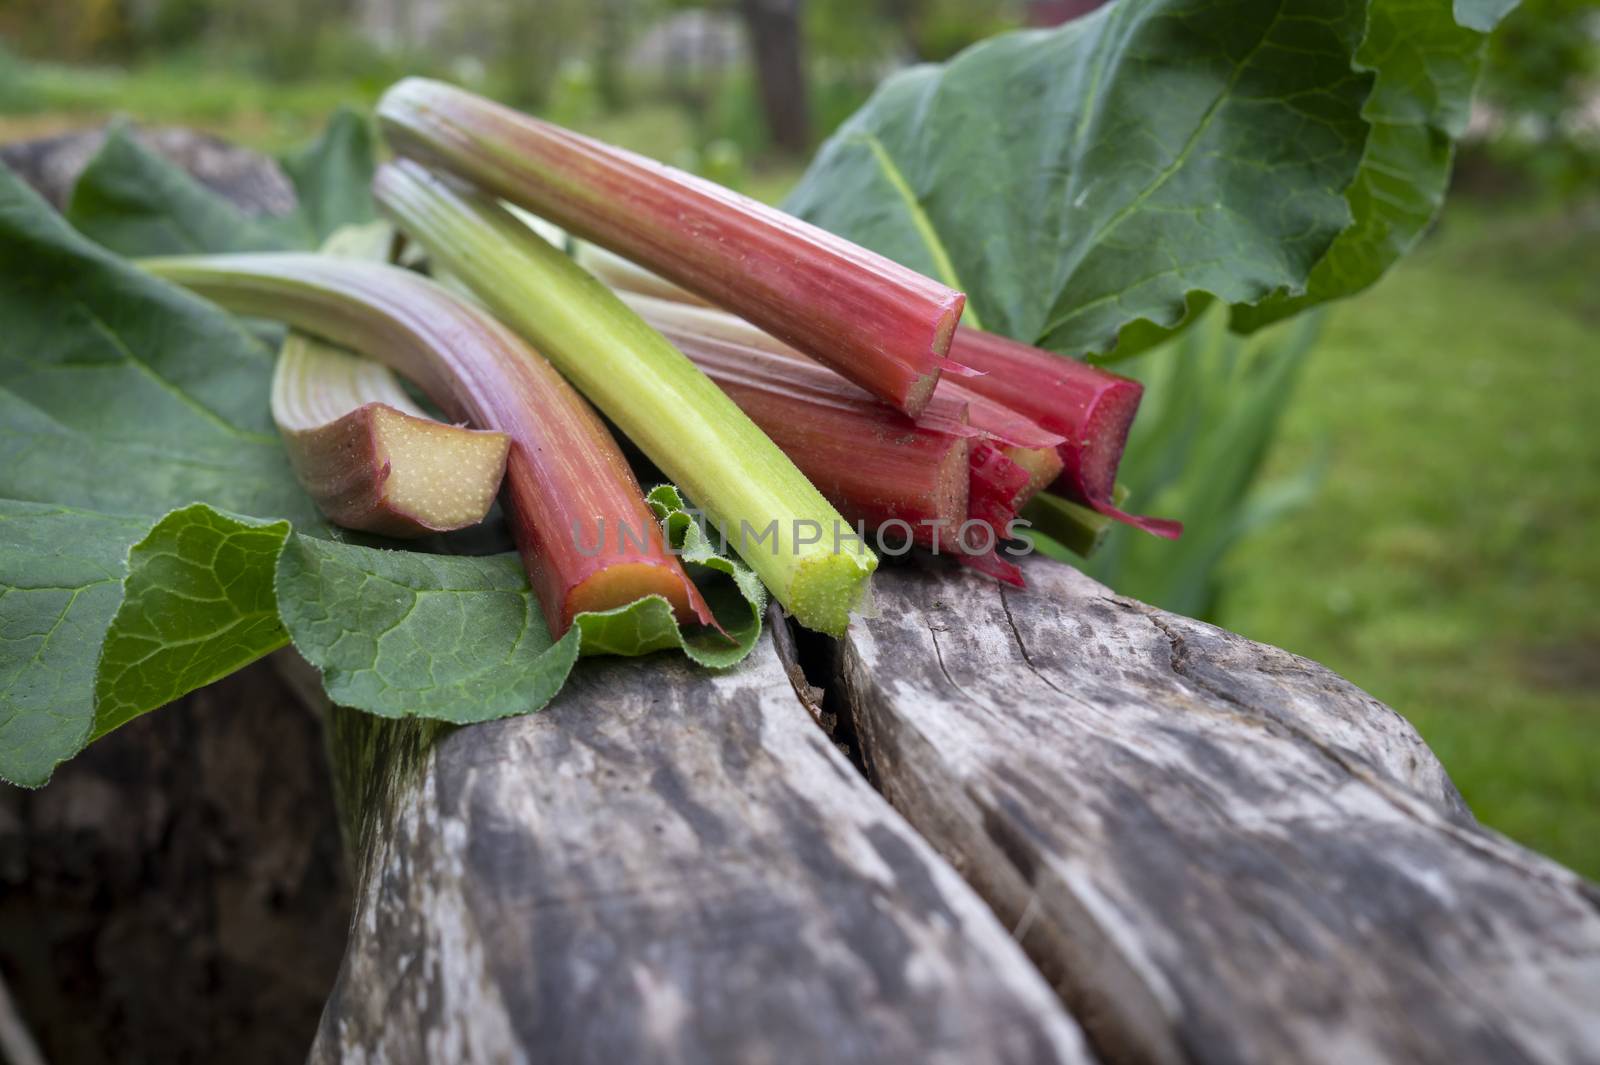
1103 180
197 604
1426 60
121 398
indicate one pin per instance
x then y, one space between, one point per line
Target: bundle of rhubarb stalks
810 397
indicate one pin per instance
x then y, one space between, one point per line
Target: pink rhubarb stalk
871 461
937 474
587 537
883 326
368 456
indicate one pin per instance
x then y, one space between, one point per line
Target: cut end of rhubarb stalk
1102 434
1042 464
444 475
829 588
623 585
1091 408
368 457
920 393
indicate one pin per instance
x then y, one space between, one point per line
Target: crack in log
816 672
1022 645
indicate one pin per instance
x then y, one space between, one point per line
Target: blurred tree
931 31
776 48
1541 91
612 18
1543 58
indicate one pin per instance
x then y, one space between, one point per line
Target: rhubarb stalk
725 345
872 462
369 457
587 538
881 325
1024 392
1091 408
776 519
954 408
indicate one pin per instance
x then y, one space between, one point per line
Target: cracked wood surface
1216 850
665 866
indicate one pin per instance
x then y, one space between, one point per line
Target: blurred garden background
1406 488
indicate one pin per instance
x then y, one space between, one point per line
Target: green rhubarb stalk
368 456
1078 528
771 515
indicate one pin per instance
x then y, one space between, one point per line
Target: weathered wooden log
664 866
1216 850
249 180
177 892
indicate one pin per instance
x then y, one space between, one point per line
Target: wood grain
664 866
1218 851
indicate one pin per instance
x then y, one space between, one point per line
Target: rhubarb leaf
136 202
403 634
121 394
120 399
1101 180
197 604
1426 61
332 178
60 574
399 633
734 593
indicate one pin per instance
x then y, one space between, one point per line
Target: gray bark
249 180
1217 851
664 866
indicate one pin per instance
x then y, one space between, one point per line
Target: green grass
1449 564
43 99
40 98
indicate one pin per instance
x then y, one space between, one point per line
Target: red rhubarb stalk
1090 407
872 462
587 538
1024 392
954 408
869 460
879 324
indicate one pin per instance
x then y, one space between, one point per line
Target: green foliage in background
1447 563
1542 75
1212 406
